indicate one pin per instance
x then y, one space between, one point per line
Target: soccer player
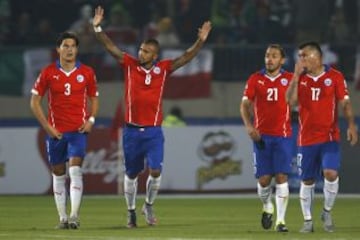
264 96
69 85
142 135
319 89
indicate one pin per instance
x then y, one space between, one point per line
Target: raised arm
292 91
191 52
103 38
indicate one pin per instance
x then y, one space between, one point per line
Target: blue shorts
72 144
142 144
311 160
272 157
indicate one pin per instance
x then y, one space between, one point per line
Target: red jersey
144 90
67 94
271 112
318 99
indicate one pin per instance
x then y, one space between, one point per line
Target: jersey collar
77 64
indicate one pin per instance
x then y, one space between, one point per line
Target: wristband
91 120
98 29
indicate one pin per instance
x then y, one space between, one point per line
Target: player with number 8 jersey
142 134
143 97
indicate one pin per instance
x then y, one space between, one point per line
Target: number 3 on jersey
272 94
67 91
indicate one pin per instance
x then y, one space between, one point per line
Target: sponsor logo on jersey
261 82
304 83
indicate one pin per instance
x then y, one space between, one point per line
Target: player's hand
352 135
86 127
204 31
98 17
253 133
53 132
299 68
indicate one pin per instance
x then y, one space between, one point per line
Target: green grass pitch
206 217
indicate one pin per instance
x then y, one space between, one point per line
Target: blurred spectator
120 29
44 33
311 20
167 36
23 31
85 18
174 118
338 29
281 12
5 14
150 30
185 22
351 14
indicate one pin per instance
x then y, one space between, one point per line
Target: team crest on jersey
284 82
80 78
327 82
156 70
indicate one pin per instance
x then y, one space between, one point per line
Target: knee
330 175
58 170
155 173
265 181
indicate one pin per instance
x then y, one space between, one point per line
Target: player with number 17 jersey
319 122
144 90
271 112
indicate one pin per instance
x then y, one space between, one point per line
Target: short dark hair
313 45
154 42
66 35
278 47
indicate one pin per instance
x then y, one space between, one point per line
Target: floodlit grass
34 217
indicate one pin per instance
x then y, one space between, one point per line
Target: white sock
152 188
264 194
330 192
76 190
306 200
130 190
60 196
281 200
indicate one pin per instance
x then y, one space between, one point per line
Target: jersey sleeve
41 84
249 91
341 88
128 60
92 84
166 65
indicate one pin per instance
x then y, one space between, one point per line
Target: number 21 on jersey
272 94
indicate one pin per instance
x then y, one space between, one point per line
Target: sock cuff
75 171
282 185
59 178
333 182
261 187
307 186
